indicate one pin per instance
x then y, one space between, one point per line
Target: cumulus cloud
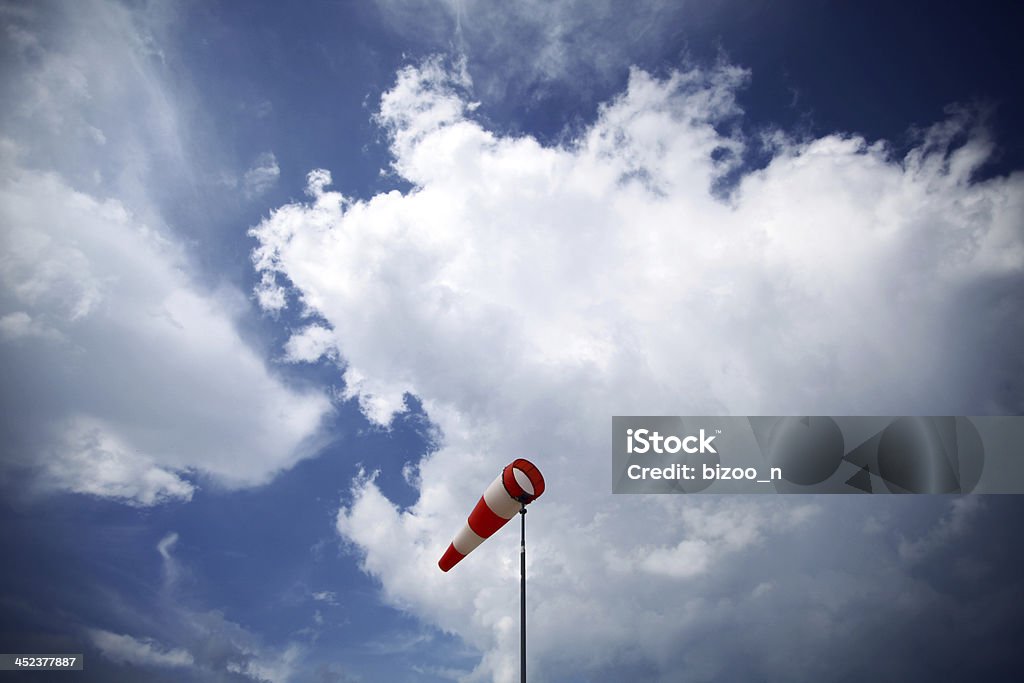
141 652
126 375
90 458
526 293
146 376
309 345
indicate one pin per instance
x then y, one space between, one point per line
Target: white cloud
528 293
262 176
89 458
166 544
221 647
141 652
326 596
130 378
149 377
308 345
172 569
275 669
269 295
708 535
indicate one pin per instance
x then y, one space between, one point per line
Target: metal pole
522 598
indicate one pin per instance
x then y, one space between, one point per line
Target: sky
284 285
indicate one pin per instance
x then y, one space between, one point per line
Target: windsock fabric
518 485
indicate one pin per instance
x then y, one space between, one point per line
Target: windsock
519 484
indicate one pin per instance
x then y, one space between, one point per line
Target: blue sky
285 285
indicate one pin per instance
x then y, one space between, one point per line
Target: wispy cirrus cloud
199 643
572 45
138 651
261 176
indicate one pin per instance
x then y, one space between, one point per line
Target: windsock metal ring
519 484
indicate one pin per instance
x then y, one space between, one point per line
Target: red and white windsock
518 485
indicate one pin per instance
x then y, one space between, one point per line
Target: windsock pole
522 598
519 484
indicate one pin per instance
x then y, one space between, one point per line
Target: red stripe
483 520
450 558
532 473
508 479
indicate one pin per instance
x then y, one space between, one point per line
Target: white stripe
466 540
501 504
